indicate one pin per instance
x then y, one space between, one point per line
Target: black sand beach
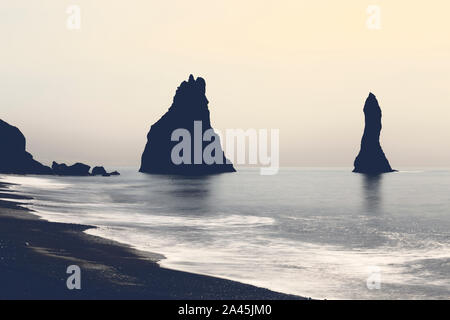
35 254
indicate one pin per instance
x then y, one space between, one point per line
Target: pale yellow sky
304 67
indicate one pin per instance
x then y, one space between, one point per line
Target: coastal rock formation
100 171
371 158
13 156
189 111
78 169
15 160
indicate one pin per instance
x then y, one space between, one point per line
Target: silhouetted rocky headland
13 156
15 160
189 105
371 158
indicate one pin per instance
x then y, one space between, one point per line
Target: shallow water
313 232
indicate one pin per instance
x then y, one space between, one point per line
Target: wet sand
35 254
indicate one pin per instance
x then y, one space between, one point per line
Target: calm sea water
313 232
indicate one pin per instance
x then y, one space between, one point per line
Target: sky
303 67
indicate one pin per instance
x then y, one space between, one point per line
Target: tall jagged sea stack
189 105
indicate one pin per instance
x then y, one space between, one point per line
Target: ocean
324 233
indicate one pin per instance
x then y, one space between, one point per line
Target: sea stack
14 158
371 158
189 112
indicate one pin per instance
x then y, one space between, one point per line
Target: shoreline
35 254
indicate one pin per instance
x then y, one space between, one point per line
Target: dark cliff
14 158
371 159
189 105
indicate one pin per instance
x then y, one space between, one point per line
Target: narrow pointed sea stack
189 114
13 156
371 158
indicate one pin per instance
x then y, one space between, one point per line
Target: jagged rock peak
190 106
191 93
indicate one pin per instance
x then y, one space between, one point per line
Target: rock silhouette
189 105
371 159
78 169
14 158
100 171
